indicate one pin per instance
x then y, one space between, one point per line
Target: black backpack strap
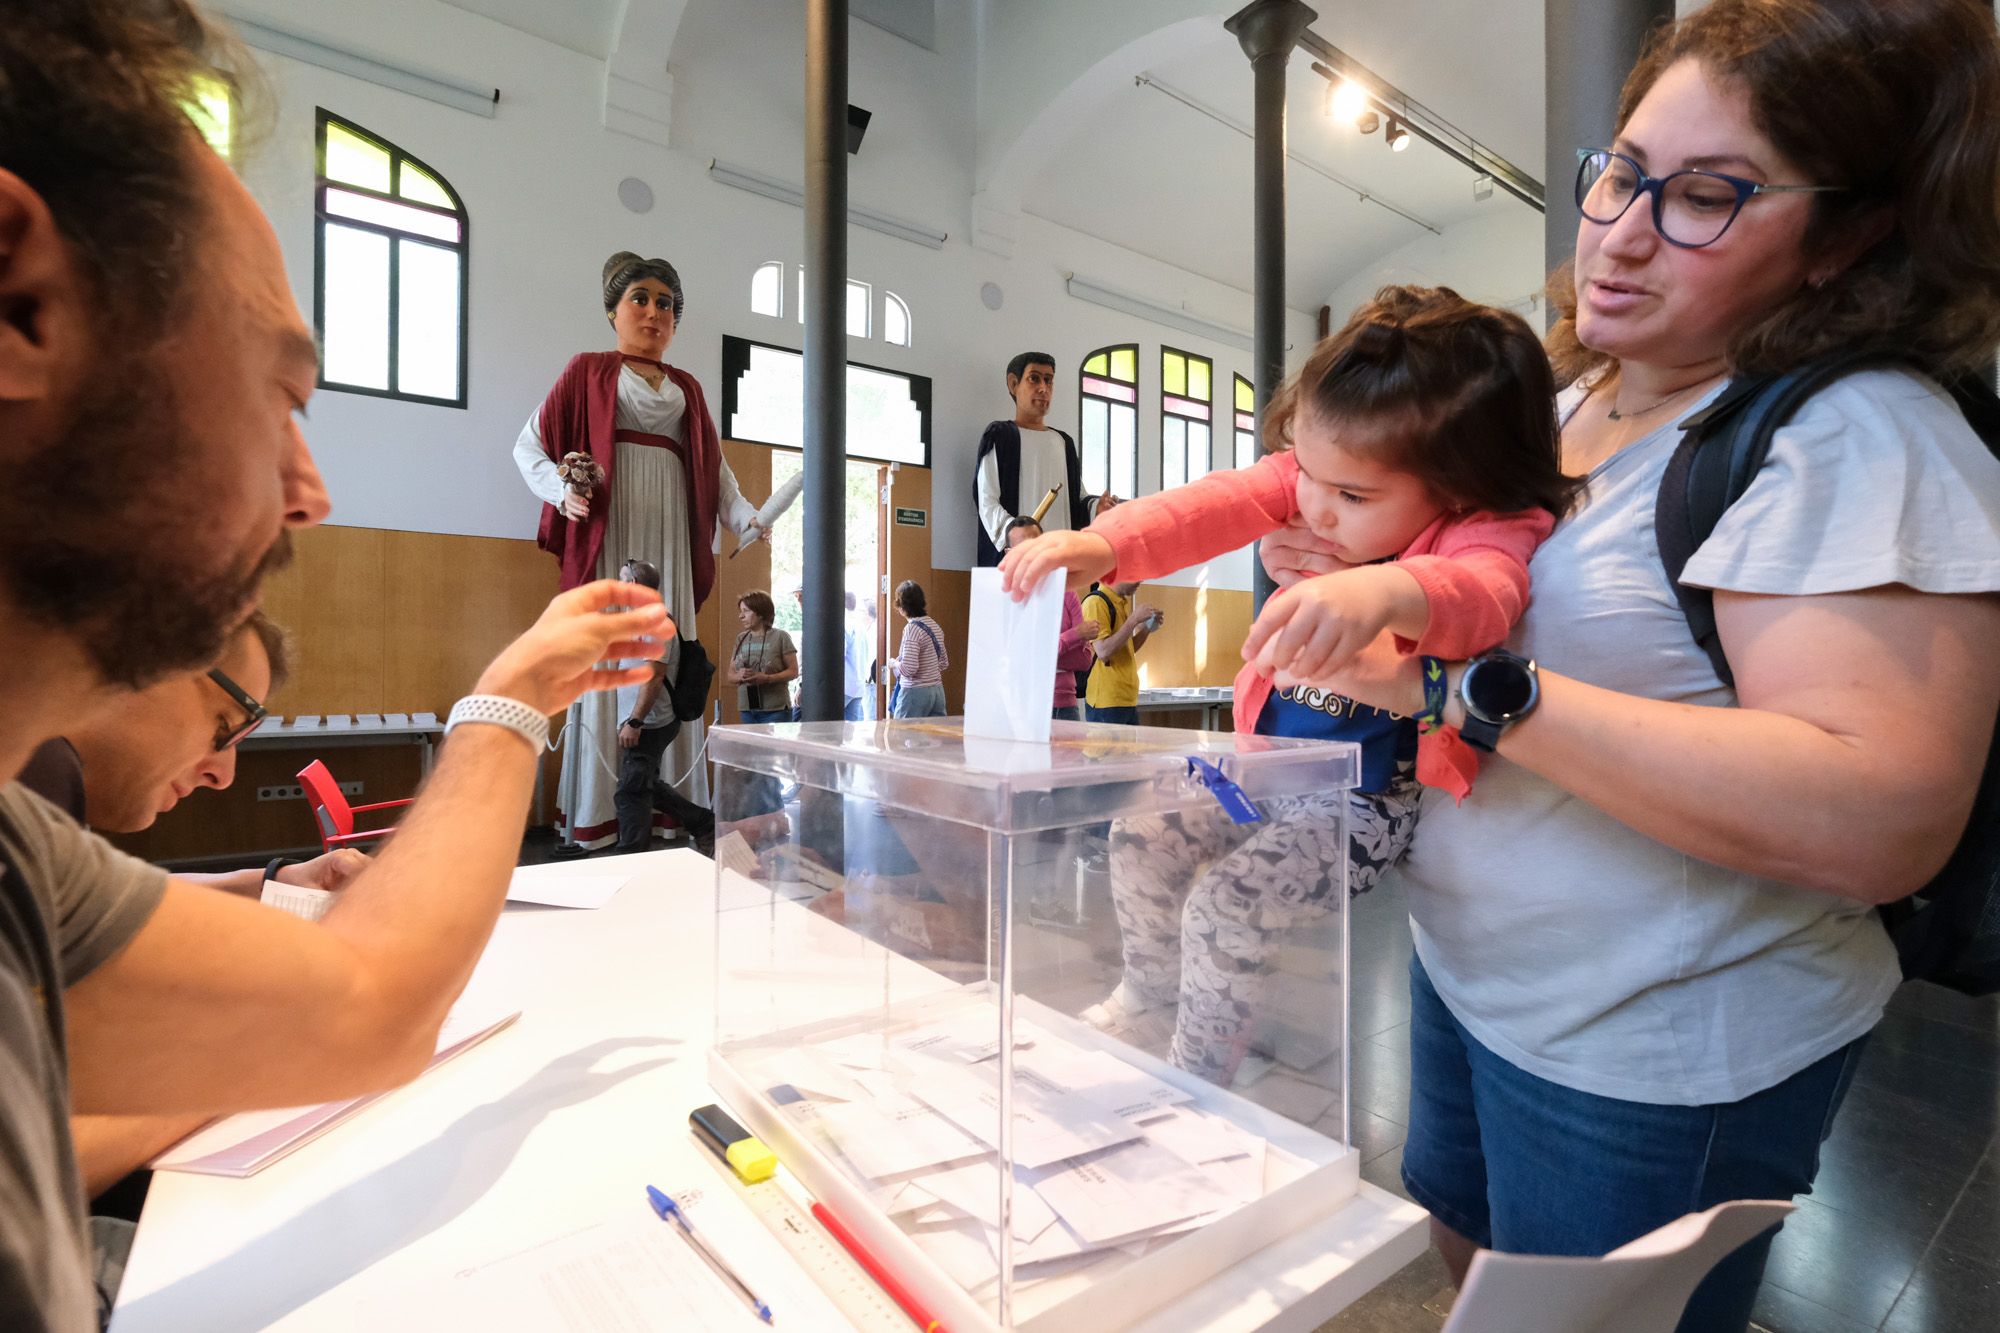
1722 448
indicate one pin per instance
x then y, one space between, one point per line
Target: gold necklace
1615 415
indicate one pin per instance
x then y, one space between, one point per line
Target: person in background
920 660
1020 458
649 726
1073 650
855 660
151 749
1123 626
762 662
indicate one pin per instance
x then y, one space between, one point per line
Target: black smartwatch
1498 689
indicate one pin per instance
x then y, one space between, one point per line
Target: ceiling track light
1369 122
1347 101
1397 135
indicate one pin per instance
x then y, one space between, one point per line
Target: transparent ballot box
1059 1030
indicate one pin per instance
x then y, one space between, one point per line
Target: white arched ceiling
1046 69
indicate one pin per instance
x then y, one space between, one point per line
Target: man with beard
147 492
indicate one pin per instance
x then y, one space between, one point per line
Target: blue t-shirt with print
1303 713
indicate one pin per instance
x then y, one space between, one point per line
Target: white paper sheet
1050 1124
974 1189
309 904
1639 1288
242 1145
566 886
1010 658
893 1137
630 1276
1128 1191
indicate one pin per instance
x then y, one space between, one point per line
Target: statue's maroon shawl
580 415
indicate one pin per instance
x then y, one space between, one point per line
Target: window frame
1167 412
462 248
1085 397
1237 414
909 321
736 361
783 274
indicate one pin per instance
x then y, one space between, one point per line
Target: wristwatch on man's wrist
1497 690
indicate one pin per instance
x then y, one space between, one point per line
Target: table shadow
349 1230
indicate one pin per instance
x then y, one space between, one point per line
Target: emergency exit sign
910 518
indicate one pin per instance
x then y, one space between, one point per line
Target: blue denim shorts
1517 1163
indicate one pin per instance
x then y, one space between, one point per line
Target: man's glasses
254 712
1691 209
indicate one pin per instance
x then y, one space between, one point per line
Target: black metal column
825 497
1268 30
1589 47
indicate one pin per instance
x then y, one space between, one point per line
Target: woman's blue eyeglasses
1691 209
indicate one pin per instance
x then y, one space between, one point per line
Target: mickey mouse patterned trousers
1203 904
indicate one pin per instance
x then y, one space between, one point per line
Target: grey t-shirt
662 711
68 902
1597 958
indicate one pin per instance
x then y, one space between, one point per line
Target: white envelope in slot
1010 657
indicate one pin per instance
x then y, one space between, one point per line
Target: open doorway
863 570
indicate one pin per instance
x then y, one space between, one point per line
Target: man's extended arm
218 1004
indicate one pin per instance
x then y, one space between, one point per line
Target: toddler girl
1420 441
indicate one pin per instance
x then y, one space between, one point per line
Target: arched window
895 320
1246 422
389 274
1109 393
767 289
1186 386
860 308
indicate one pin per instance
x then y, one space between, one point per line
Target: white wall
1496 258
539 183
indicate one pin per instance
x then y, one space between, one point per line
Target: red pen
897 1291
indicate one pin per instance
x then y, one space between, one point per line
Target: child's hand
1085 555
1313 629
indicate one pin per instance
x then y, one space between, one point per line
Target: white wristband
500 711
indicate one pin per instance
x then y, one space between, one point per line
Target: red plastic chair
334 815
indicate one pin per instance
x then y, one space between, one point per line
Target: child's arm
1459 597
1146 538
1475 582
1312 628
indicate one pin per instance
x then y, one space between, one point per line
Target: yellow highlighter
744 1152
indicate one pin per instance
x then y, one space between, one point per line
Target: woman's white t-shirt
1593 956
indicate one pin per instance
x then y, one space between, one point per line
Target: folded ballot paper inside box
1027 1014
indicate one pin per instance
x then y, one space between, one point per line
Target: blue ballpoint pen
669 1211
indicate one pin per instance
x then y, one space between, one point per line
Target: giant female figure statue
664 495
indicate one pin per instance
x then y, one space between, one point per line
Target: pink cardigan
1073 651
1472 567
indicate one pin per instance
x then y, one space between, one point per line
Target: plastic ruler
813 1248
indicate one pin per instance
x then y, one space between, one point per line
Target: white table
1214 701
423 731
558 1123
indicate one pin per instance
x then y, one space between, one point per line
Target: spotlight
1346 101
1398 136
1369 122
1482 186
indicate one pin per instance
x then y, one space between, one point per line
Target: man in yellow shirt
1123 626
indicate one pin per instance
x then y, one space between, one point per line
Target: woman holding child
1646 955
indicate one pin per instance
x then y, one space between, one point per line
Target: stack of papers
1107 1159
243 1145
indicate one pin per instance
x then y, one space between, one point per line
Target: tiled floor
1902 1230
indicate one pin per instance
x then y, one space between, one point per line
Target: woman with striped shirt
920 662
